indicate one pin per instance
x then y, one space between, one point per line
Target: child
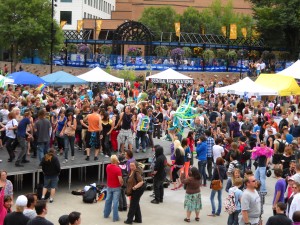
233 218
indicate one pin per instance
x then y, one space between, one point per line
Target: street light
52 34
242 58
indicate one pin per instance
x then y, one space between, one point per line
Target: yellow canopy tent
285 85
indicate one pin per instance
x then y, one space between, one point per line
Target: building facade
73 10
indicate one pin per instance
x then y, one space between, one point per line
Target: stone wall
41 70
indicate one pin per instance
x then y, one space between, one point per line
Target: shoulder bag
217 185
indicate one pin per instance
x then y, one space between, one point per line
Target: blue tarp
26 78
62 78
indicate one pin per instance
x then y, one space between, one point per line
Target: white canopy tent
98 75
170 76
246 86
292 71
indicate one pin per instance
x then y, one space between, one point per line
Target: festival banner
63 23
233 32
177 29
98 28
244 32
224 31
79 25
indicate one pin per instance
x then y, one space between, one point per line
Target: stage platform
16 174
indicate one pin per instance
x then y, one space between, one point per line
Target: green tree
190 21
26 26
159 19
278 23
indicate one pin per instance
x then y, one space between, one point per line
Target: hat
64 220
296 118
21 201
295 142
291 178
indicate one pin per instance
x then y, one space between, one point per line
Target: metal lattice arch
132 32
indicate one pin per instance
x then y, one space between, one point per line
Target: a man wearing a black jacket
157 120
283 123
51 169
159 175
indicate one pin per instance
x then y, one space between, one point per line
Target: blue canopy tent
26 78
62 78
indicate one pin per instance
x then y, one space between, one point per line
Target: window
113 8
84 15
65 0
66 16
101 5
84 1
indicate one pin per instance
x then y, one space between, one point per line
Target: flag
177 29
63 23
244 32
233 32
224 31
98 27
79 25
40 87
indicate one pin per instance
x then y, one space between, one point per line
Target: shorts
50 182
92 139
125 135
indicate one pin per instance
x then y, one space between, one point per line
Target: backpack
90 196
145 122
281 147
229 203
246 155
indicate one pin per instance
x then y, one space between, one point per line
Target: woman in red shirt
191 144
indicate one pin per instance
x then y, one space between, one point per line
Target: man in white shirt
218 150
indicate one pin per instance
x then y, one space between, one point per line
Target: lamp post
53 4
242 57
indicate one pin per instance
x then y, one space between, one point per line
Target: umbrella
62 78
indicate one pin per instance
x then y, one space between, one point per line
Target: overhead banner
79 25
233 32
63 23
177 29
224 31
170 81
244 32
98 27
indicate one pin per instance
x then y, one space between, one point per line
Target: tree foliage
278 22
26 25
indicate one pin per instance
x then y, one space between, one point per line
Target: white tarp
292 71
170 76
246 86
98 75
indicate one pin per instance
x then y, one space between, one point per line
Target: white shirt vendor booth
170 76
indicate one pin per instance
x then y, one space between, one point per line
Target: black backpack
246 155
281 147
90 196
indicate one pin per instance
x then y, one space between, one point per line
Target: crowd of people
238 139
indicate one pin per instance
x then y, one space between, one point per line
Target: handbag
216 185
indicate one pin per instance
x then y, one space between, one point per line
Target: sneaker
106 156
96 158
87 158
144 150
0 160
155 201
51 200
73 157
137 151
65 161
80 149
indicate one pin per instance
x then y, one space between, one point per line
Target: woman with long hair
51 169
61 119
107 126
192 201
68 133
178 164
134 184
219 173
191 144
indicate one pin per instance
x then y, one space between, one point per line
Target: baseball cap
296 118
21 201
291 178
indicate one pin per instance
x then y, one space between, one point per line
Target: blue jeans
69 141
212 201
201 167
260 174
112 198
140 135
233 219
42 149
